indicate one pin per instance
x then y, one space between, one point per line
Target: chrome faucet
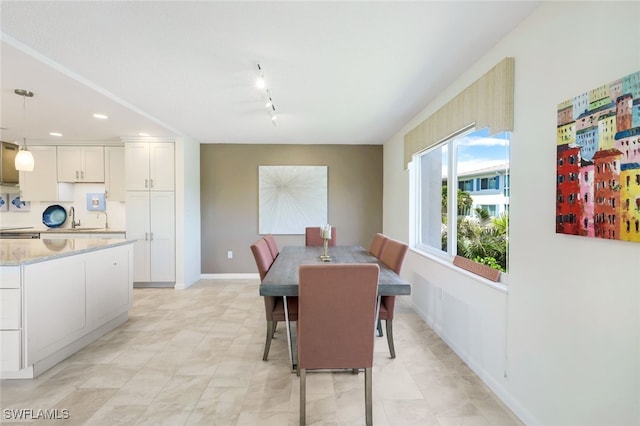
72 213
106 219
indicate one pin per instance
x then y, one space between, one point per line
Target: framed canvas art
291 198
598 162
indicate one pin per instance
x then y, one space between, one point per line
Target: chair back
336 315
262 255
393 254
273 246
377 245
312 237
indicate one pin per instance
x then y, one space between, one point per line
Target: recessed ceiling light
143 134
100 116
55 134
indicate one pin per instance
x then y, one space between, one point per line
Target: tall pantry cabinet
150 210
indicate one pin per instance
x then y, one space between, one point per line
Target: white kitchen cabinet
114 173
54 307
151 223
53 290
149 166
10 318
108 290
41 184
10 303
10 352
80 164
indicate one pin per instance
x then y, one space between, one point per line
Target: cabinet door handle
151 183
146 183
82 174
146 236
77 175
150 236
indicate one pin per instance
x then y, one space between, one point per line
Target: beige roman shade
488 102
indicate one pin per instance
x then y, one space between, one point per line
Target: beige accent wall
229 197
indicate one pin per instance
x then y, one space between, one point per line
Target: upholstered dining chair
273 246
312 237
342 336
377 245
273 306
392 255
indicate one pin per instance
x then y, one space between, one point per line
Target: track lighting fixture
261 84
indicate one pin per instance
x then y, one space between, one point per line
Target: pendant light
24 158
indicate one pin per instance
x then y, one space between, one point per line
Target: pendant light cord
24 119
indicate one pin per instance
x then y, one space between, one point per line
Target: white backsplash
33 218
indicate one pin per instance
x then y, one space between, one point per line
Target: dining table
282 279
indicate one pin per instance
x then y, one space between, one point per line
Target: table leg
376 321
288 327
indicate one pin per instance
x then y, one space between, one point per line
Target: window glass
470 216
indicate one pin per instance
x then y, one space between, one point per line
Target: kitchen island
57 296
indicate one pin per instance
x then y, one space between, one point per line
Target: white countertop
43 231
24 251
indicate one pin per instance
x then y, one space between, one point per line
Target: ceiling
338 72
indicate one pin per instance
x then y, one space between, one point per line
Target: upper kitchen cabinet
41 184
80 164
149 166
114 173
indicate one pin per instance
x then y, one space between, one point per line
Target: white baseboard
501 392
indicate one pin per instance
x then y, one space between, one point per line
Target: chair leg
303 396
392 349
368 396
275 325
267 344
379 328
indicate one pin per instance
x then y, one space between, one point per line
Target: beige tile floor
194 357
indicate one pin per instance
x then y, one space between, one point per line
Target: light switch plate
95 202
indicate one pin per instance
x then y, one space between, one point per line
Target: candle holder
325 234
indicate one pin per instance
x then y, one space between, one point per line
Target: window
465 185
488 182
490 208
450 218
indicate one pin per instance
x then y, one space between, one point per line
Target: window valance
488 102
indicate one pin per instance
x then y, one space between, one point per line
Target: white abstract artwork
291 198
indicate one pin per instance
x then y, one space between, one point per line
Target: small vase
325 249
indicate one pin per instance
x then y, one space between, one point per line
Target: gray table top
282 278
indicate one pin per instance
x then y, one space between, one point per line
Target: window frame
441 256
452 194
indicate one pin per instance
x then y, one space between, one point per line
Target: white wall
561 347
187 212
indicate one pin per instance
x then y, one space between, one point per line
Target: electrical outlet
229 254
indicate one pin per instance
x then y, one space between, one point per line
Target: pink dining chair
273 305
392 255
273 246
312 237
377 245
336 322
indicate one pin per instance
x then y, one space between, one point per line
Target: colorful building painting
568 190
598 162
